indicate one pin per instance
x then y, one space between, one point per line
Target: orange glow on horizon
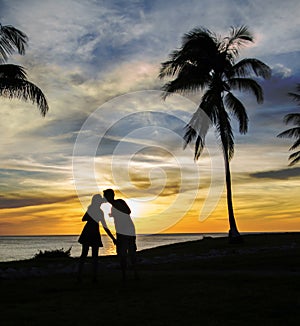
65 218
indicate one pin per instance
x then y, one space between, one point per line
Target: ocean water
25 247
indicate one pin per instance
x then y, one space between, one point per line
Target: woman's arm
107 230
110 235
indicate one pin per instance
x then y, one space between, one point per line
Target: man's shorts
126 244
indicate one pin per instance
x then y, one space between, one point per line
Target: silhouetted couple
125 233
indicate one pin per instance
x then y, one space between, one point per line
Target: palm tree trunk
232 223
234 234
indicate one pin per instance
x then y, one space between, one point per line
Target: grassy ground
201 282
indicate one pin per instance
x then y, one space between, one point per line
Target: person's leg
95 253
123 264
132 255
84 253
122 254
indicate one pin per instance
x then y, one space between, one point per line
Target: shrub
57 253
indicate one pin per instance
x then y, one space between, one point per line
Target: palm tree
207 62
13 78
293 132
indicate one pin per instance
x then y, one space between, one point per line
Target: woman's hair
97 199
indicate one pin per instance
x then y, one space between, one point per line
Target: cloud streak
283 174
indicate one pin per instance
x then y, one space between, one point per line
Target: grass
256 283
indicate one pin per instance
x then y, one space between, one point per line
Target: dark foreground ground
207 282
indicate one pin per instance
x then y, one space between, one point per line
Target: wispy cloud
282 174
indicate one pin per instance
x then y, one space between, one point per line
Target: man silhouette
125 231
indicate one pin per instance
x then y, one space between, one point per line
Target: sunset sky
97 62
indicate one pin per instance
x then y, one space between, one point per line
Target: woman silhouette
90 235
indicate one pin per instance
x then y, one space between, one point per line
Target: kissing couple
125 239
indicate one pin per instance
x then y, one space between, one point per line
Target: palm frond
292 117
212 106
247 84
198 49
246 67
296 144
190 79
11 71
11 40
197 128
178 86
295 157
296 97
225 133
24 90
239 36
199 42
290 133
168 68
239 111
199 145
190 135
171 67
